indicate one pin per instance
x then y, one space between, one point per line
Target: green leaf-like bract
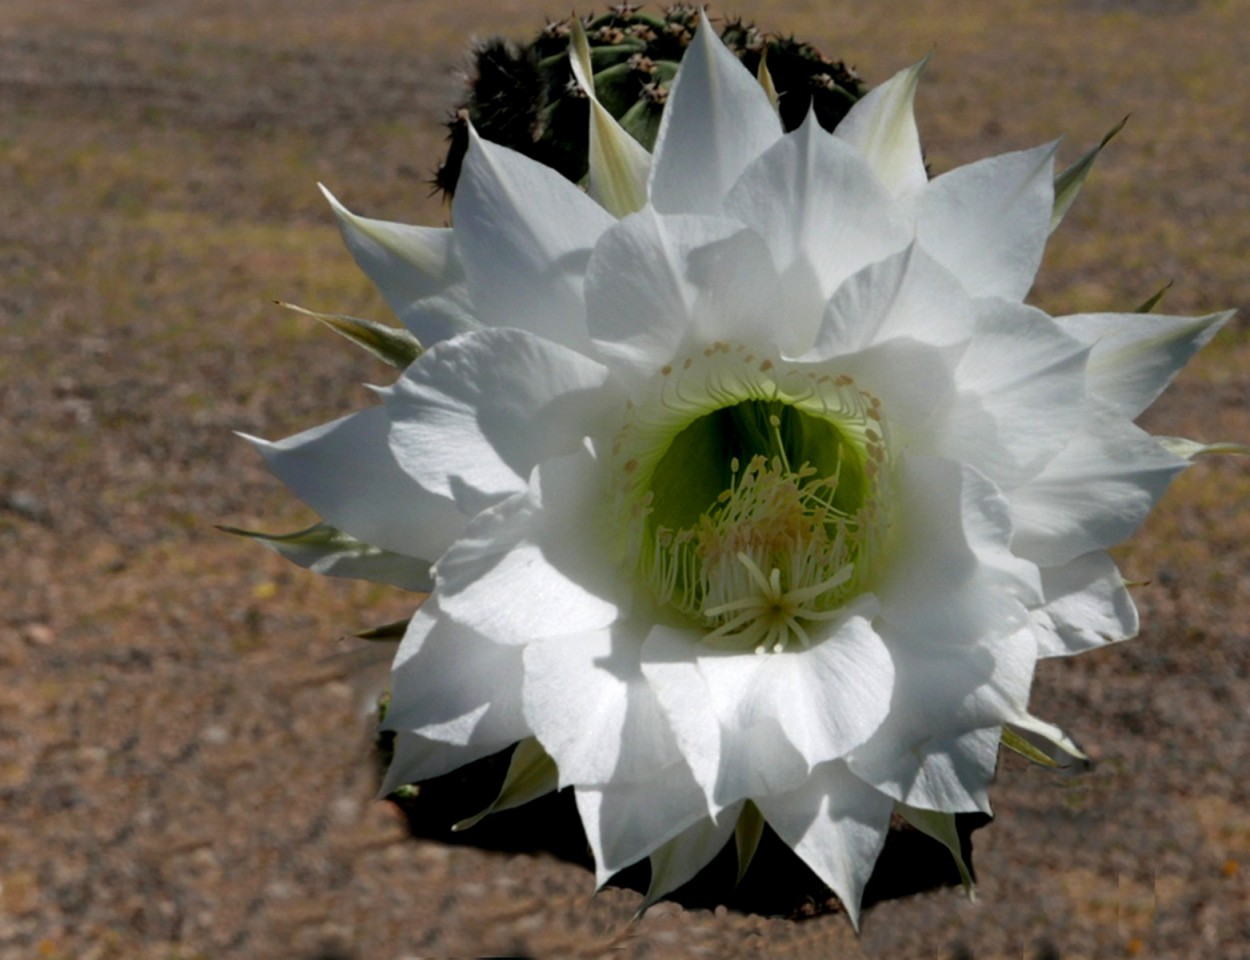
393 345
333 553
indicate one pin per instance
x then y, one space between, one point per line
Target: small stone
38 634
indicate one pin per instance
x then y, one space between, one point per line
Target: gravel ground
185 756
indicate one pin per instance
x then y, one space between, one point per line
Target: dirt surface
184 750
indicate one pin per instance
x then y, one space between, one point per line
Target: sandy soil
185 764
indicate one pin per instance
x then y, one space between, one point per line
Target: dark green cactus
526 98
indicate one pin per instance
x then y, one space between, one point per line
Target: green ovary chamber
755 498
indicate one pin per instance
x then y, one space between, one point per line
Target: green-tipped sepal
392 345
941 827
531 774
1191 449
333 553
1068 183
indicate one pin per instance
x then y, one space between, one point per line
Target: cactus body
525 97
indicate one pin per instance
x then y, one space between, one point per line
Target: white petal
677 861
415 268
938 747
728 764
1021 394
451 685
882 127
619 165
1136 355
988 221
837 824
1086 605
525 234
815 200
472 417
951 577
657 282
908 294
717 120
591 708
345 471
540 563
820 703
1093 494
625 822
956 772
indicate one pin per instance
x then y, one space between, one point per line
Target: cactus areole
525 97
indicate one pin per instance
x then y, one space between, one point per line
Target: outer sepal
392 345
1068 183
1190 449
1016 743
941 827
531 774
619 165
331 552
748 832
882 126
1030 735
677 861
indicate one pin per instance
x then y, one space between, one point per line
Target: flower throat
760 518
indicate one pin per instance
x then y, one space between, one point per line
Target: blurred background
185 760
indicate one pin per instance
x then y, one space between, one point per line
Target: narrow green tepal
1068 183
1013 741
1151 302
525 96
531 774
748 832
392 345
323 549
391 632
942 828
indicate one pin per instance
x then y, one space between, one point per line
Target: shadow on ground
777 883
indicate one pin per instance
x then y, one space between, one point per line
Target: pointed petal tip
258 442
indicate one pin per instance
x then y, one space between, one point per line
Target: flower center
752 496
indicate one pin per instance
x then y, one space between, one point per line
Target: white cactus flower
745 486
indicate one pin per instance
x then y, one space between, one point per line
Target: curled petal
475 415
536 565
1086 605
